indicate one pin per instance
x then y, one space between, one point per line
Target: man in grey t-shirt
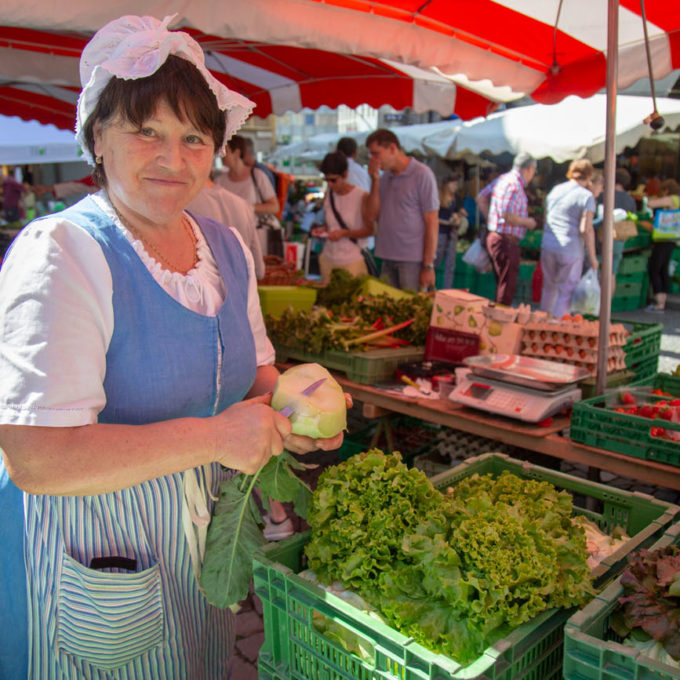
406 201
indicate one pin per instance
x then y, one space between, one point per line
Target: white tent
411 137
29 142
574 128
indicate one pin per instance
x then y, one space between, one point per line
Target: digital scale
517 387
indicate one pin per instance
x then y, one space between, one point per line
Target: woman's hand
299 444
337 234
249 433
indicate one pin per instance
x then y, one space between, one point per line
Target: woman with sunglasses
347 222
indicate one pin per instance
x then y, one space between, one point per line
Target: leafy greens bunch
651 601
235 530
455 571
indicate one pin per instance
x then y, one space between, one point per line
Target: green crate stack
366 368
593 651
642 240
644 292
484 285
532 239
463 274
633 264
644 342
594 424
533 651
646 369
627 294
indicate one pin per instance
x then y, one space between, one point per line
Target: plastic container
646 369
592 651
595 425
366 368
533 651
626 303
633 264
643 343
274 300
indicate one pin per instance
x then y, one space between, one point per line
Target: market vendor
134 368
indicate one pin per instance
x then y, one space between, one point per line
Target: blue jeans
401 274
446 250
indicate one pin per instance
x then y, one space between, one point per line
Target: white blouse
56 283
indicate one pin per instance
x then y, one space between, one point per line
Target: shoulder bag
371 265
274 238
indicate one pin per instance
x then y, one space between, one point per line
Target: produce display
455 571
347 320
235 530
649 617
574 340
646 402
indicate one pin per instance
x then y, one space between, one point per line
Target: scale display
513 401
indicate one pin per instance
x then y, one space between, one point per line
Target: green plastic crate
592 651
532 239
633 264
644 341
642 240
275 300
603 428
484 285
266 671
533 651
526 270
366 368
634 278
626 303
646 369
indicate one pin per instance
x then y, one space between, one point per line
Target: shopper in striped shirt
504 205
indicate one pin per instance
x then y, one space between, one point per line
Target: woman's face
157 170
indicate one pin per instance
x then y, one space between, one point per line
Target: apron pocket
108 619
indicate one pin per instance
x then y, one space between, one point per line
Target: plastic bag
477 257
586 296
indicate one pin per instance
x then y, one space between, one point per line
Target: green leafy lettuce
455 571
235 530
651 601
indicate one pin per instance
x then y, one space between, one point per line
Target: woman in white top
134 368
246 182
347 224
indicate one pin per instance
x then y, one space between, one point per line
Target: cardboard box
458 310
499 337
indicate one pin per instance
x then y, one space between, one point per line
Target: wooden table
545 440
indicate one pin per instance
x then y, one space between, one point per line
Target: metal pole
609 182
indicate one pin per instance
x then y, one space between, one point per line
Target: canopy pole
609 187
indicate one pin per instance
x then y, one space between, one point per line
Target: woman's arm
264 190
99 458
269 207
662 202
588 231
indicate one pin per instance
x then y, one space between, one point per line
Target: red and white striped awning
287 54
39 78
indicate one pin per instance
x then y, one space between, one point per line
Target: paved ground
249 626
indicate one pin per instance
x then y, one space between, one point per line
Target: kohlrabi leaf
276 480
233 537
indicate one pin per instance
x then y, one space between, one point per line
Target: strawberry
646 411
656 431
627 398
675 402
666 414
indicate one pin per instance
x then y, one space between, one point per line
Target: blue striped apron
164 361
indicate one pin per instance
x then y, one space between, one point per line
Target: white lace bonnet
136 47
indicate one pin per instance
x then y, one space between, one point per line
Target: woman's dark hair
177 82
334 163
237 143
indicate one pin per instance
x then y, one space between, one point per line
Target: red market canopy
39 77
501 48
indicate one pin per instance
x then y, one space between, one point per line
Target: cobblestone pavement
455 447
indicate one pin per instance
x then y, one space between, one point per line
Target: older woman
347 220
570 207
130 335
